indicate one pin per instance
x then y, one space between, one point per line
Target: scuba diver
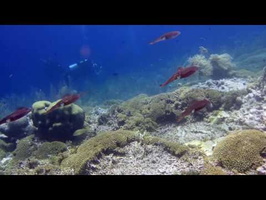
81 70
73 74
77 74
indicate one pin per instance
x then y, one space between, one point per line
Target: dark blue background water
119 49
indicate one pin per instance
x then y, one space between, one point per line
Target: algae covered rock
59 124
6 146
241 150
2 154
49 149
17 129
25 148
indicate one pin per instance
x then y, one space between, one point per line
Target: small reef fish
66 100
166 36
19 113
181 73
194 107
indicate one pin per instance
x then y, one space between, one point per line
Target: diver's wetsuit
81 70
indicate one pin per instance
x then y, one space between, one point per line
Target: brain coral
241 150
59 124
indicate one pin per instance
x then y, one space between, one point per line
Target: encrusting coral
212 170
25 147
48 149
241 150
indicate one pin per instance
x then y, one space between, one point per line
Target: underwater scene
133 100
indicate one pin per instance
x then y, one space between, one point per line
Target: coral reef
222 65
203 50
59 124
261 170
141 159
190 131
6 146
18 129
106 143
241 150
262 82
32 166
215 66
224 85
25 148
205 67
49 149
2 154
212 170
252 112
145 113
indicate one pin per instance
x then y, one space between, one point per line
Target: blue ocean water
125 64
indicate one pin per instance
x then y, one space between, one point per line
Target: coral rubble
89 153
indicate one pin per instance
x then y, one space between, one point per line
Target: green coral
189 95
59 124
2 154
241 150
212 170
146 113
25 148
6 146
108 141
49 149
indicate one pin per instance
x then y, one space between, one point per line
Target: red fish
166 36
66 100
194 107
181 73
19 113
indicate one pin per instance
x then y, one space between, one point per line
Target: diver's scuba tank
76 65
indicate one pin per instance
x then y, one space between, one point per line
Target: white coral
223 61
203 63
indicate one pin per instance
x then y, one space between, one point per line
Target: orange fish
181 73
194 107
66 100
166 36
19 113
